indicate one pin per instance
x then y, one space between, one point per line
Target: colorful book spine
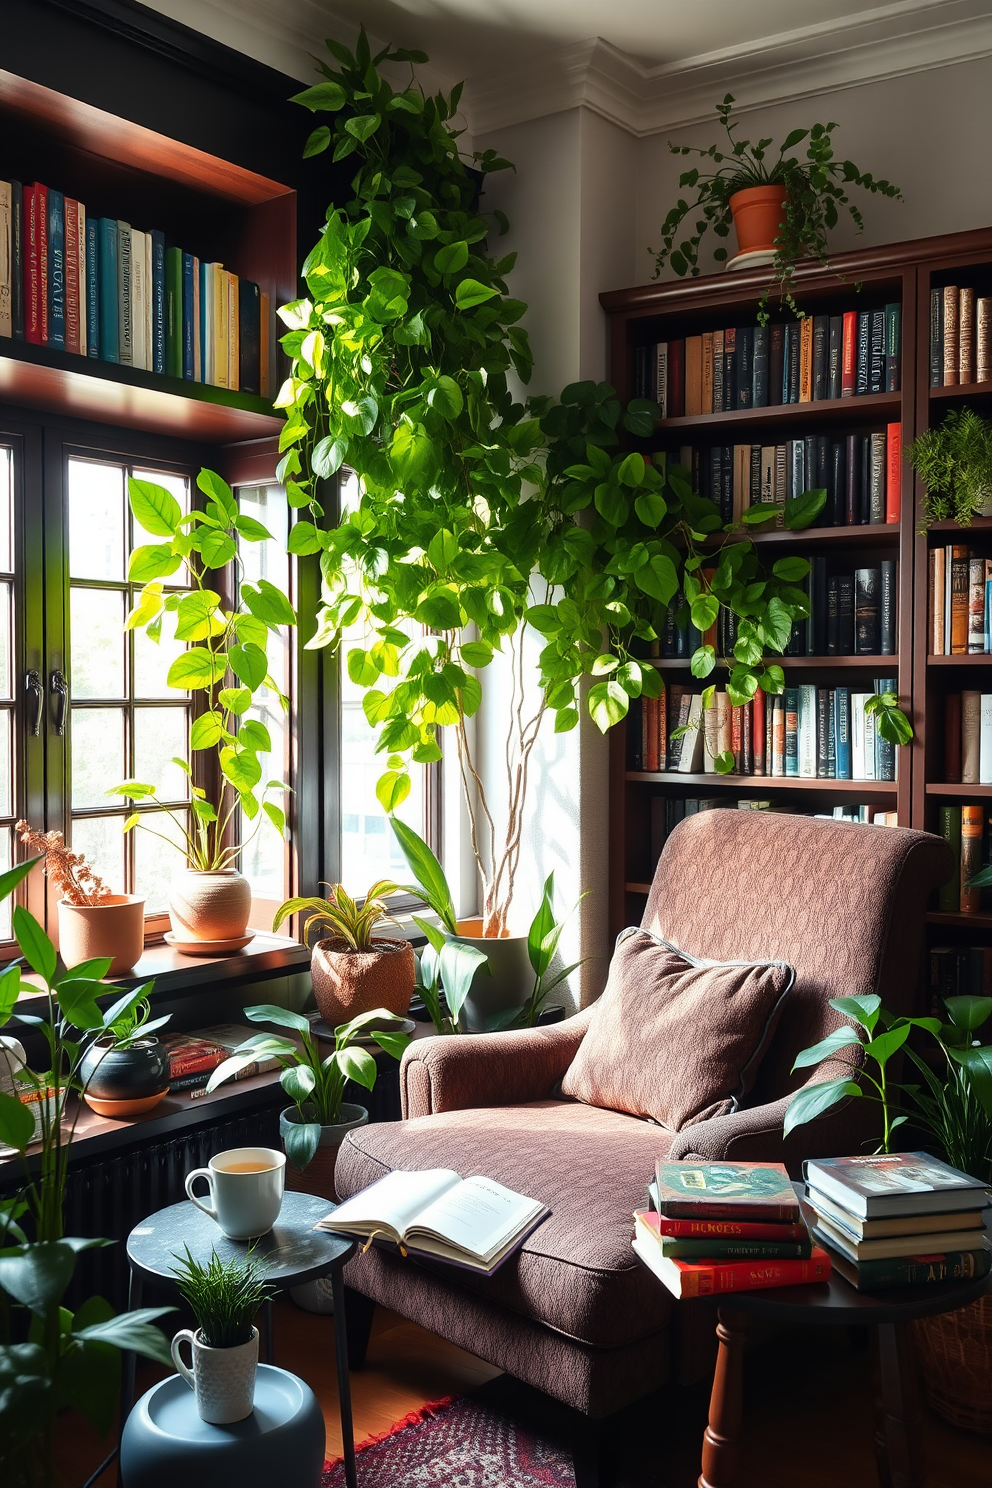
187 317
6 261
71 274
108 289
17 260
93 346
125 327
158 301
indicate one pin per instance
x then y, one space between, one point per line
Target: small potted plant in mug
224 1297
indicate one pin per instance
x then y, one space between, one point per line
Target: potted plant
224 1297
93 922
125 1071
315 1125
782 206
478 515
225 664
954 462
354 970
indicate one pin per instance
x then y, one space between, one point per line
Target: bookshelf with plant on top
761 416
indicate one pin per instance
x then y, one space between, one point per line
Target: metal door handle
60 691
34 686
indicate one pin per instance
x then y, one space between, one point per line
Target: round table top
170 1408
291 1254
836 1301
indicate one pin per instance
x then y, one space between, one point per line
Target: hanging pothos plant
478 513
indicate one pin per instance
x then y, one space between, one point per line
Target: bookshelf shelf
637 888
961 390
85 387
975 659
868 407
875 534
764 783
979 792
960 921
790 663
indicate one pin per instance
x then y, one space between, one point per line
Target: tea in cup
246 1187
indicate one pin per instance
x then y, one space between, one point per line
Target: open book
473 1222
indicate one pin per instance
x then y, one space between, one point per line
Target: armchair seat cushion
576 1273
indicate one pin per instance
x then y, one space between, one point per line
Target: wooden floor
808 1410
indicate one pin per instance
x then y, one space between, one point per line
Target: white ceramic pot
114 927
223 1379
505 983
209 906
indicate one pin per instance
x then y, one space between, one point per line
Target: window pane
6 510
6 905
152 660
156 861
369 849
6 772
96 520
98 760
160 735
6 658
101 839
97 619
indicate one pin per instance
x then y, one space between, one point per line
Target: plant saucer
206 947
754 258
118 1108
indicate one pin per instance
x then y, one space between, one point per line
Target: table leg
344 1378
270 1348
129 1362
721 1439
898 1441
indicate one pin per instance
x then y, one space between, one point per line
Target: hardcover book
722 1247
727 1190
708 1279
897 1183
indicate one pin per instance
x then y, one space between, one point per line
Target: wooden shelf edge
637 888
800 663
786 412
973 658
942 788
961 390
764 782
858 534
971 921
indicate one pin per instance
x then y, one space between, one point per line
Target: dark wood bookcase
663 312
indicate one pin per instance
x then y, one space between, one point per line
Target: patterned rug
463 1442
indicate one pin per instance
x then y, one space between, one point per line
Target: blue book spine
885 750
92 289
842 732
202 369
988 616
158 300
792 731
107 288
56 269
188 316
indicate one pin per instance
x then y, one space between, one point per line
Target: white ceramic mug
246 1188
222 1379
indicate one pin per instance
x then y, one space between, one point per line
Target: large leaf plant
479 512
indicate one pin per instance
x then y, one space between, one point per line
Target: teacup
246 1188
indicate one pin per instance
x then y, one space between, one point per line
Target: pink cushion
674 1037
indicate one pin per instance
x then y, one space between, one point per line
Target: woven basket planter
955 1352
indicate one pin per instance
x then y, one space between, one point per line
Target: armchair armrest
457 1072
755 1134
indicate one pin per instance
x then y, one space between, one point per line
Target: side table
290 1255
898 1445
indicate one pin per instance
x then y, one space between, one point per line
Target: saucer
206 947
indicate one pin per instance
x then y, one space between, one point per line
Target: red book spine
649 717
727 1229
41 198
709 1278
758 743
849 355
71 275
32 269
676 379
893 481
737 736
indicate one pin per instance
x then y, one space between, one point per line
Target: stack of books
901 1220
959 602
101 288
960 336
194 1056
725 1227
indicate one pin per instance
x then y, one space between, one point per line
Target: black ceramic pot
108 1073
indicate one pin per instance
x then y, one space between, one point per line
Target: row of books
968 738
807 732
904 1219
725 1227
960 337
668 811
851 613
965 828
97 287
861 474
194 1056
958 971
805 361
959 602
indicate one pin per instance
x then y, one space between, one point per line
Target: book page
392 1203
478 1216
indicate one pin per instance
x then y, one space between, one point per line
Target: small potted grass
224 1297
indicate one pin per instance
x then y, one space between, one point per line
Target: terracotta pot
209 906
506 983
115 927
757 217
347 983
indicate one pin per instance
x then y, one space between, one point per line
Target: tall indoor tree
479 512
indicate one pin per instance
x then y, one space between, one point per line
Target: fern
954 462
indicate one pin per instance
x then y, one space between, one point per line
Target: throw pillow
674 1037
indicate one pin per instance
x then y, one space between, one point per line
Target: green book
174 312
903 1271
710 1249
949 895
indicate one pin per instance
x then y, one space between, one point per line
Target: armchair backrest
843 903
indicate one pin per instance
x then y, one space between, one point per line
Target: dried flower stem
69 871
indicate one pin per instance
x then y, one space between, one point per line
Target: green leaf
967 1012
155 509
650 508
13 876
207 730
358 1065
608 704
631 471
978 1063
363 126
35 945
132 1332
216 488
148 606
703 661
885 1045
268 603
791 570
815 1100
254 735
249 664
235 699
327 96
241 768
452 258
251 530
152 562
704 611
195 669
802 511
275 814
214 547
459 965
837 1039
301 1140
477 653
304 538
863 1009
317 142
470 293
431 882
392 789
16 1122
327 456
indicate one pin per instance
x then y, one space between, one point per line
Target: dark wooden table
898 1444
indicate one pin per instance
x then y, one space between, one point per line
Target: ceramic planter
223 1379
318 1178
209 906
506 983
347 983
757 212
115 927
132 1074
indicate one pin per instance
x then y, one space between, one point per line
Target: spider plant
347 920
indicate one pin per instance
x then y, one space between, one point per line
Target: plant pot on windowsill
347 983
129 1077
505 982
113 927
209 905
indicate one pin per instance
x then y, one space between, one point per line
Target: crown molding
888 41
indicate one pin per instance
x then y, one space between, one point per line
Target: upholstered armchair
574 1312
